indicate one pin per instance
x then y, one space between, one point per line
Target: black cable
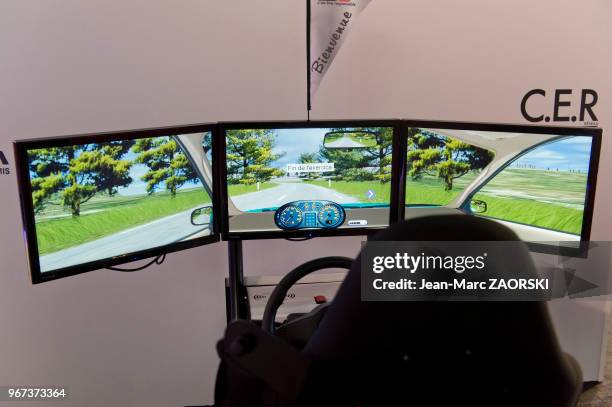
298 239
158 260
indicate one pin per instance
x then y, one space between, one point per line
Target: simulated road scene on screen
541 186
545 188
321 178
97 201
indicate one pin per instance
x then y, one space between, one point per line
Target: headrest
448 228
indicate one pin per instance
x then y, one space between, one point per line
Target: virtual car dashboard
309 214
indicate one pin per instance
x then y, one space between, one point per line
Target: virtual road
163 231
289 190
344 142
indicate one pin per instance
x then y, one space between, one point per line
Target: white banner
330 23
310 167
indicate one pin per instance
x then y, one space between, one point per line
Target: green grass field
114 215
430 190
535 213
548 199
359 189
103 215
561 188
426 191
97 203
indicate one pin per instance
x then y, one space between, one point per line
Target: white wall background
70 66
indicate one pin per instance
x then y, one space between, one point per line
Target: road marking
281 197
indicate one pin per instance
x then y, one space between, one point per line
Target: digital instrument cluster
309 214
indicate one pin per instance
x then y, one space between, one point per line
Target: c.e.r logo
588 100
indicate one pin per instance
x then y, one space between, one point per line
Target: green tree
344 160
353 163
80 189
207 143
49 167
444 157
57 176
106 166
250 155
75 174
380 156
167 164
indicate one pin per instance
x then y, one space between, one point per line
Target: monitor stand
237 306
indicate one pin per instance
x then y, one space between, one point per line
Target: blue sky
294 142
570 153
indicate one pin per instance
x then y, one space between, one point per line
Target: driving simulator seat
408 353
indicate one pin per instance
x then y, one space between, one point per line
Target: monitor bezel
221 186
21 148
594 132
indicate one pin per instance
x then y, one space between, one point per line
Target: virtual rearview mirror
478 206
346 139
202 216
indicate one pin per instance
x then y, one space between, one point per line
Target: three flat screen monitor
95 201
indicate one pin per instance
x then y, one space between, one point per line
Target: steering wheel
310 321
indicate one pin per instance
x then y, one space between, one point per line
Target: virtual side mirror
346 139
478 206
202 216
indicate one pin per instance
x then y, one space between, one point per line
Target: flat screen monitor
539 181
96 201
305 179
